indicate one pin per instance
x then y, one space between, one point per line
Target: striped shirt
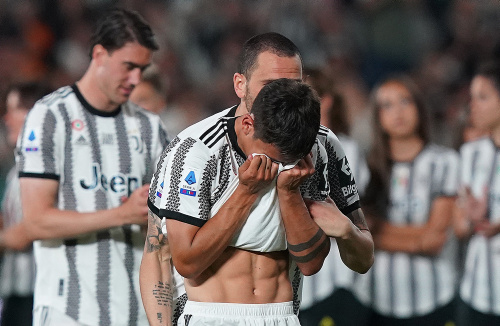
97 158
335 274
17 272
480 286
399 284
199 164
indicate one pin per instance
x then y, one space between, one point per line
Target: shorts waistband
239 309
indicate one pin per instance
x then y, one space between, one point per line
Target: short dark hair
490 70
287 114
272 42
118 27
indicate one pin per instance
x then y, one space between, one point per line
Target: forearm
308 245
15 238
194 253
357 250
55 224
397 243
156 289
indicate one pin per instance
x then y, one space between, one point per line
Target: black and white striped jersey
17 268
199 164
480 285
97 158
402 285
335 274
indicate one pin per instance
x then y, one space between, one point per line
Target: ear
98 53
239 82
247 124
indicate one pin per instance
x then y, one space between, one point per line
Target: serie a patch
189 182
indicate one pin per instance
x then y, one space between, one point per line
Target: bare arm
194 249
43 220
427 239
308 245
353 238
14 238
155 275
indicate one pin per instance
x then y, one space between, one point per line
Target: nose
135 76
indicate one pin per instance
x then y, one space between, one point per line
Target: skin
147 97
106 84
471 211
398 117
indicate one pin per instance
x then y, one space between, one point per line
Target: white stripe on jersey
402 285
480 286
97 158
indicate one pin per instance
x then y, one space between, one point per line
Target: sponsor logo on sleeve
32 142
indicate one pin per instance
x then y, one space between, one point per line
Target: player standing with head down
85 157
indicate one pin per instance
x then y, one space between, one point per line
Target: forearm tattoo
163 294
357 217
155 238
315 241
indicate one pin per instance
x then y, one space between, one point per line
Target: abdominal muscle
240 276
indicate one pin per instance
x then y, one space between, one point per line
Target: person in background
326 295
151 94
17 271
477 218
409 202
85 158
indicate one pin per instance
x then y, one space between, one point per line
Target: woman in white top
478 215
409 201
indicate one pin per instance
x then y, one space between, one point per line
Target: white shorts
236 314
48 316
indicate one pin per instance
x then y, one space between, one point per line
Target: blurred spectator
409 202
17 272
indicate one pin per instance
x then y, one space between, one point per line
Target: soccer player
478 220
409 199
85 157
265 57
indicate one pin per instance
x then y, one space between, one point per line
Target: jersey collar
92 109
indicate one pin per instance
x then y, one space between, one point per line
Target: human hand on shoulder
134 209
257 173
329 218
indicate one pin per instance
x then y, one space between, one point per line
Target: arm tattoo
155 238
308 245
163 294
357 217
159 317
310 256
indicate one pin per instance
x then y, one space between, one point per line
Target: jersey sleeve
450 175
181 186
39 145
342 186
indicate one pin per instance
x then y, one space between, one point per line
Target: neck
495 136
93 95
405 149
241 109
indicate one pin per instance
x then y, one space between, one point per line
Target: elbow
365 265
309 269
187 270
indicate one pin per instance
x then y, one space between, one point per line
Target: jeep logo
119 183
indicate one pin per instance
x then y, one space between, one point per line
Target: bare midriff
240 276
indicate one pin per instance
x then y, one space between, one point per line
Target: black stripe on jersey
323 131
208 176
39 175
490 274
61 93
181 217
473 277
154 183
392 288
125 159
147 136
173 199
413 283
69 203
49 129
216 140
215 130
